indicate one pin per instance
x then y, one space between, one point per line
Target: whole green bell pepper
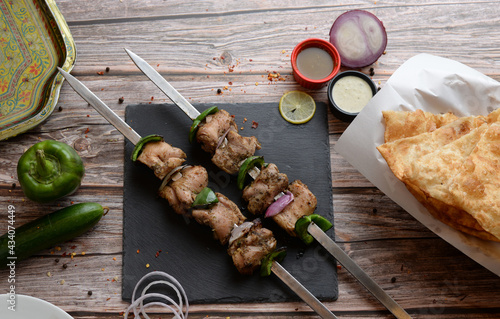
49 170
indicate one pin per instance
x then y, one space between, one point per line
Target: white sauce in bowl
351 93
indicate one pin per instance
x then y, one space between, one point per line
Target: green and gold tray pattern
34 40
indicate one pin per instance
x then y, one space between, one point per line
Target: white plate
27 307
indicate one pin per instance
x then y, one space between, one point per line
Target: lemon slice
297 107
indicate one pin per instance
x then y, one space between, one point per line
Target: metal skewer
313 229
134 138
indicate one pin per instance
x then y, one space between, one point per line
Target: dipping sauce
314 63
351 93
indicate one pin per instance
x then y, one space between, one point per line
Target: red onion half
276 207
360 38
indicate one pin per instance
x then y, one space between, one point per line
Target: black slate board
155 235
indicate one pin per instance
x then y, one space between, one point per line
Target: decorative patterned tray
34 40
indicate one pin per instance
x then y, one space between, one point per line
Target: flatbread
431 178
399 153
401 124
476 188
454 172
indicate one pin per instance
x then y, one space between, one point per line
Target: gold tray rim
55 88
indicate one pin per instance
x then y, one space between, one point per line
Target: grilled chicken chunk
183 188
213 128
161 157
222 217
261 192
304 203
249 250
238 148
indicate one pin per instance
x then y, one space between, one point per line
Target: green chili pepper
247 165
302 224
50 170
198 120
266 263
205 197
142 142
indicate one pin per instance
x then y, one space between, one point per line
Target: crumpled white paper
433 84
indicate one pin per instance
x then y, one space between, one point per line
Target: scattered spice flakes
147 265
87 130
100 73
114 258
230 83
158 253
152 98
138 251
256 83
63 281
219 91
120 100
255 124
372 72
107 69
49 274
275 76
244 120
89 292
102 269
60 108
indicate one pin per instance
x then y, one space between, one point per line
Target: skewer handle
357 272
102 108
164 86
301 291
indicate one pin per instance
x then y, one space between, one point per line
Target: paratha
401 124
454 171
400 152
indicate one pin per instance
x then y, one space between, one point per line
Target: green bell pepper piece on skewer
205 197
267 262
142 142
303 222
247 165
198 120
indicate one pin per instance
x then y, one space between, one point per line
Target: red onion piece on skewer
276 207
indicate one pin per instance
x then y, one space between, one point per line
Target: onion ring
138 307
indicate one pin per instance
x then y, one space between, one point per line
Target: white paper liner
433 84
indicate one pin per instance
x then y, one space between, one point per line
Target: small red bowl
321 44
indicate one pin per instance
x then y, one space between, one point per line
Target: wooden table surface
203 46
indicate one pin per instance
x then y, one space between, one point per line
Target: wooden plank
202 46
